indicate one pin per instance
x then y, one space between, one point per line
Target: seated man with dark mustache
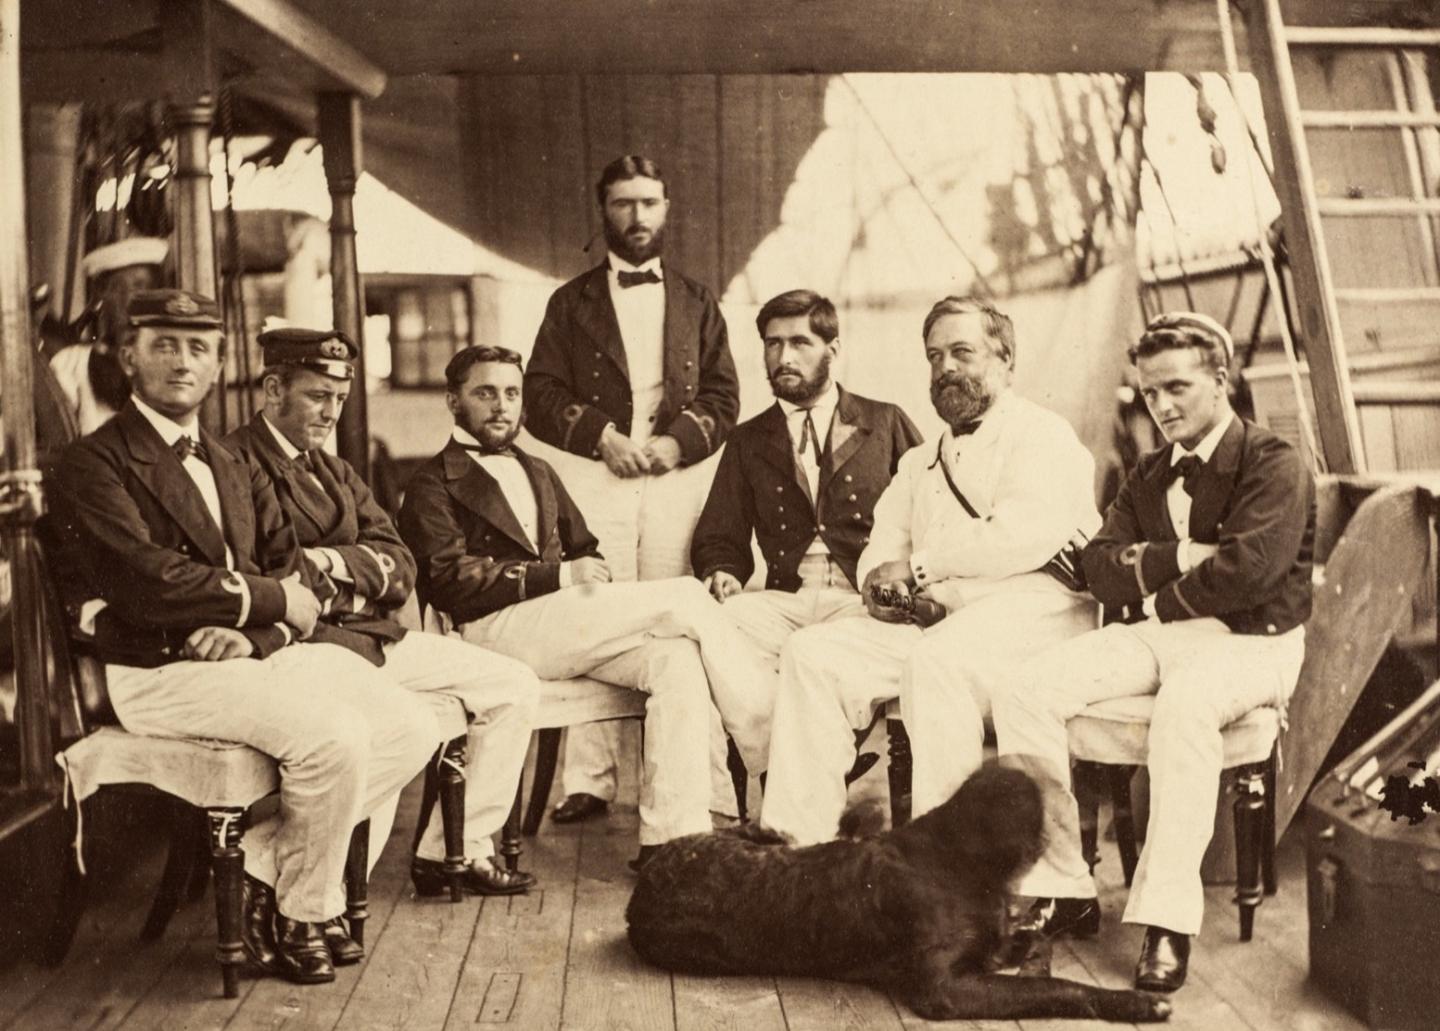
964 529
506 554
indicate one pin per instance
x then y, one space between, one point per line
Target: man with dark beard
802 477
1027 484
505 553
632 385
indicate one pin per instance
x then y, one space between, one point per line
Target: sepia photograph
719 515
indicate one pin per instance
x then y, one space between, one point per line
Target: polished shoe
1163 959
429 878
1067 917
304 956
577 807
257 925
647 853
344 950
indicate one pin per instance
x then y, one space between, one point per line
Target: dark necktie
187 446
808 434
1186 469
506 450
966 428
629 279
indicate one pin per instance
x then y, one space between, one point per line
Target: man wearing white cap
88 373
1210 539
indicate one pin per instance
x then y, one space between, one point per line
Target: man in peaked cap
1209 541
365 573
193 594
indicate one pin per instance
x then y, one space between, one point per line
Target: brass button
821 528
848 478
597 373
781 552
597 354
779 508
689 364
595 399
857 516
852 497
780 490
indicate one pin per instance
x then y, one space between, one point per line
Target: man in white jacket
964 530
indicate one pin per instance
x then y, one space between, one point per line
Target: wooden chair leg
227 827
510 848
1267 831
1120 778
450 766
71 891
547 756
179 869
739 777
357 881
1086 777
901 772
1249 824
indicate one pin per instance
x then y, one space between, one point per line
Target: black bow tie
965 428
1186 469
629 279
506 450
187 446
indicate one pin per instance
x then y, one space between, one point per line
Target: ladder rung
1308 36
1396 392
1361 207
1387 294
1370 119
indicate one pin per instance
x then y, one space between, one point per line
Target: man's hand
216 644
896 570
721 585
589 570
1200 552
302 608
320 559
624 457
885 613
663 453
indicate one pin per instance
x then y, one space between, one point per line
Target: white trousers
834 675
1203 677
345 736
669 639
644 526
500 696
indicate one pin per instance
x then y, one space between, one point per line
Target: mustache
786 370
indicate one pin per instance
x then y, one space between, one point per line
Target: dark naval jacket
578 379
142 541
760 487
1254 498
473 557
339 512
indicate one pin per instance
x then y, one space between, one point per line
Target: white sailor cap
136 250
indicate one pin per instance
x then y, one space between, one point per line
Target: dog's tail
994 823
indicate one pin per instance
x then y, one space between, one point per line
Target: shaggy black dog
918 912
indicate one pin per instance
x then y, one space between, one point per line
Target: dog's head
994 824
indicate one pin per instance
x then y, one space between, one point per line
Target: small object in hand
918 609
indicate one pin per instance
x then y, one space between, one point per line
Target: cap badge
180 304
334 348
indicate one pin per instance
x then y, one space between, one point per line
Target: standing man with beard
1030 483
506 554
365 574
632 373
802 477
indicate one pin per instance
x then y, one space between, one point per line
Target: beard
960 399
809 387
491 438
624 246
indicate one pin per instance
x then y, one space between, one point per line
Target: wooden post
52 132
20 495
1304 237
339 118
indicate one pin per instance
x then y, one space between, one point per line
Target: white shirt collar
170 431
826 402
1208 443
618 264
291 451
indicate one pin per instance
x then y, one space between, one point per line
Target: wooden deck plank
813 1005
607 986
727 1004
1066 962
514 972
